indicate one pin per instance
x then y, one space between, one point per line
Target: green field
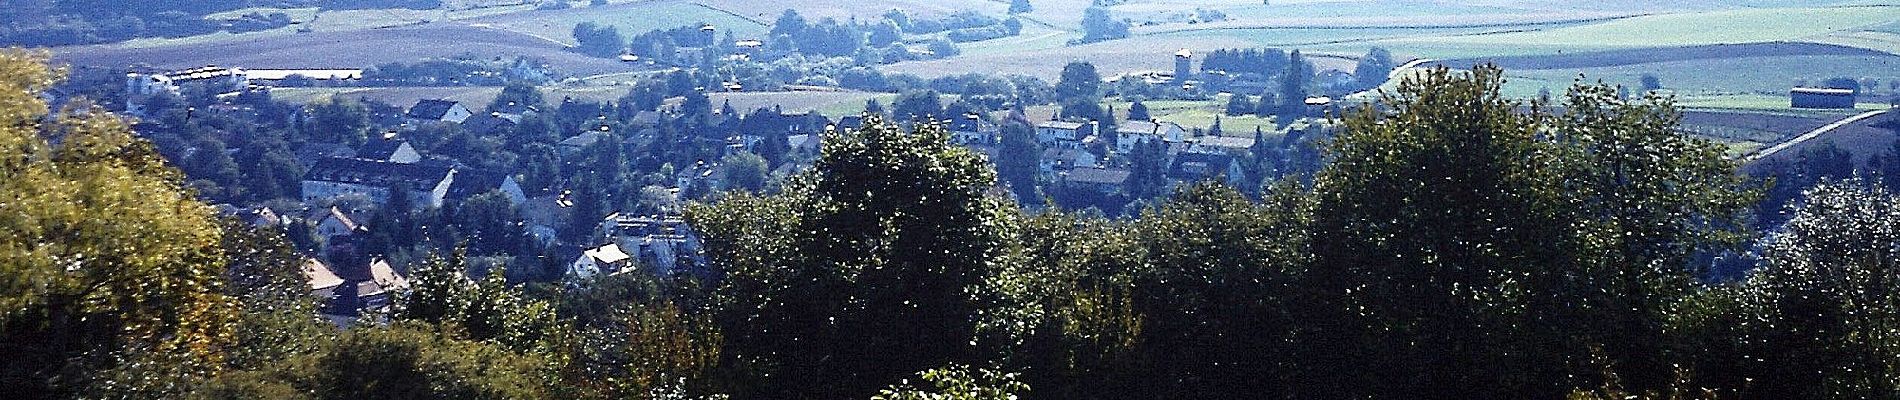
1741 75
630 19
1681 29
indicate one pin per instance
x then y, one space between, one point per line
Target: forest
1453 245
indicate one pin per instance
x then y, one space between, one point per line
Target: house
666 243
699 176
1103 180
807 144
351 291
645 119
438 110
426 184
604 259
849 123
973 130
334 222
1055 161
323 282
763 121
1335 80
573 145
389 149
1062 134
1233 146
310 153
471 182
491 124
1821 98
1130 133
211 79
1194 167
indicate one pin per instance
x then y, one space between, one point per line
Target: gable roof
431 108
1098 176
607 254
378 173
384 275
320 276
340 217
381 149
470 182
489 123
1199 165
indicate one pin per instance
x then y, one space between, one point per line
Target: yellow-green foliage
102 251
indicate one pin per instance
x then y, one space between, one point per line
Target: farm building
1821 98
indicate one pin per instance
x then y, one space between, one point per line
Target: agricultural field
628 18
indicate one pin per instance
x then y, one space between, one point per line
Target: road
1817 132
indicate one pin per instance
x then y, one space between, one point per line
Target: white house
335 223
1062 134
608 259
427 185
1130 133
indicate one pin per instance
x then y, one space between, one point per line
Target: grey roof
431 109
1098 176
487 124
377 173
470 182
380 149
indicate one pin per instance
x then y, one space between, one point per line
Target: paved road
1817 132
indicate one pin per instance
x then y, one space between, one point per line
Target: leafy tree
517 97
1020 6
957 382
744 171
1372 70
597 40
110 276
487 311
861 271
406 360
1239 105
788 24
338 121
1651 83
1138 112
1293 84
1016 160
1542 259
886 33
1079 80
1817 320
1098 26
918 105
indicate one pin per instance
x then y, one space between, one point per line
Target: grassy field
1665 30
1762 75
629 18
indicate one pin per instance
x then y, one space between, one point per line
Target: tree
1020 6
517 97
598 41
1373 69
957 382
885 33
789 24
861 271
1817 320
1098 26
1016 160
404 361
1238 105
1293 84
1079 80
1569 247
110 273
338 121
917 105
744 171
1651 83
1138 112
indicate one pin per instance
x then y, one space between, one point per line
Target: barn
1821 98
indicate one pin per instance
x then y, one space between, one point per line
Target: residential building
426 184
608 259
438 110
